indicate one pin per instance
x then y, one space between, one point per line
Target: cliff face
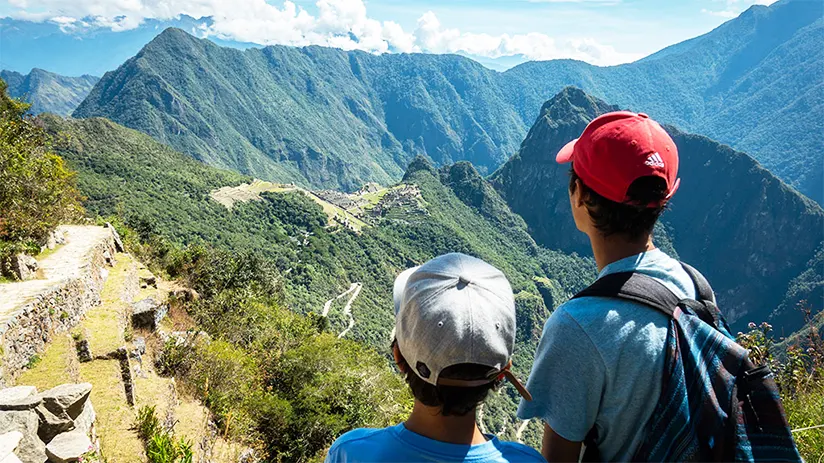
748 232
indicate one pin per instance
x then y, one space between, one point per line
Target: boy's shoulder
516 452
360 436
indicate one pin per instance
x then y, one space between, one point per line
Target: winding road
354 290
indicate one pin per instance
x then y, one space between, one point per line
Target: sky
602 32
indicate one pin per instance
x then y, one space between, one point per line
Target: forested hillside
48 92
746 230
329 118
162 193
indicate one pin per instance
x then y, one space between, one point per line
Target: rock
148 313
56 238
24 267
118 243
9 442
11 458
68 447
85 421
139 344
31 449
84 354
126 375
19 398
185 294
107 256
52 424
148 280
67 398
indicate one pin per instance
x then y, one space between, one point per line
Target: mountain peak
574 105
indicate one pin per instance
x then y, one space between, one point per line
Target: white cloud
338 23
733 8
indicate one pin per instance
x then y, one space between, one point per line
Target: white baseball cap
452 310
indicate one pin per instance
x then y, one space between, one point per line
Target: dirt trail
66 262
354 289
520 431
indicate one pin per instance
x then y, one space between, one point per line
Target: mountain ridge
739 83
47 91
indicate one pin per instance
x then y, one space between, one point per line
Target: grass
805 411
118 442
103 326
57 365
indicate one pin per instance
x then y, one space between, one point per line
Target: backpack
715 404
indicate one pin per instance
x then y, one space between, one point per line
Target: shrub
161 446
37 190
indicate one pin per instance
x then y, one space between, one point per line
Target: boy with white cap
455 333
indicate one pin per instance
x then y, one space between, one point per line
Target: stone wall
56 309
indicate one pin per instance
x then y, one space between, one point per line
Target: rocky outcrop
8 444
148 313
23 267
57 424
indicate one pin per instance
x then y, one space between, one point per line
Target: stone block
84 353
68 447
85 421
118 243
24 267
52 424
148 313
69 398
9 442
30 449
19 398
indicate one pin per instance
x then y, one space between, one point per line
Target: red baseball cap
618 148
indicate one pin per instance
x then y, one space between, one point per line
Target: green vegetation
799 372
161 446
737 206
48 92
272 378
37 191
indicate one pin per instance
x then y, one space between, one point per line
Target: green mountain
48 92
321 117
747 231
159 191
328 118
754 83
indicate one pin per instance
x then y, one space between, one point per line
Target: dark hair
633 219
453 400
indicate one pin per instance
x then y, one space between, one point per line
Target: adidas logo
655 160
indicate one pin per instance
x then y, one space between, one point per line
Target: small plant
161 446
64 315
33 361
77 336
128 333
146 424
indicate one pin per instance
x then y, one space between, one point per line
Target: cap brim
565 155
400 287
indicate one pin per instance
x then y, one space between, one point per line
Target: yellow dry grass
57 365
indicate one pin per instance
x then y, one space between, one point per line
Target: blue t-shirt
398 444
600 362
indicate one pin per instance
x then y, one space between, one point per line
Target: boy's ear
399 360
578 194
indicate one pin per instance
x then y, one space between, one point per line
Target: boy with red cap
599 366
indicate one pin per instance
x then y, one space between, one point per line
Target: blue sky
598 31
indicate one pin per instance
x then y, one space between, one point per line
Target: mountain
160 192
48 92
755 83
318 116
329 118
746 230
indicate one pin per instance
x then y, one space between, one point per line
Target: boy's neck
428 422
614 248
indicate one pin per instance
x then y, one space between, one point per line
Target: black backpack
715 404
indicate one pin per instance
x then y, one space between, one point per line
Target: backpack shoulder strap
634 287
703 289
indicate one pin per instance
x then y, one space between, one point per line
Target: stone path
66 262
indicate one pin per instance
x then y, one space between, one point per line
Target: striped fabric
708 386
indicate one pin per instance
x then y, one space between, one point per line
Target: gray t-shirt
600 362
